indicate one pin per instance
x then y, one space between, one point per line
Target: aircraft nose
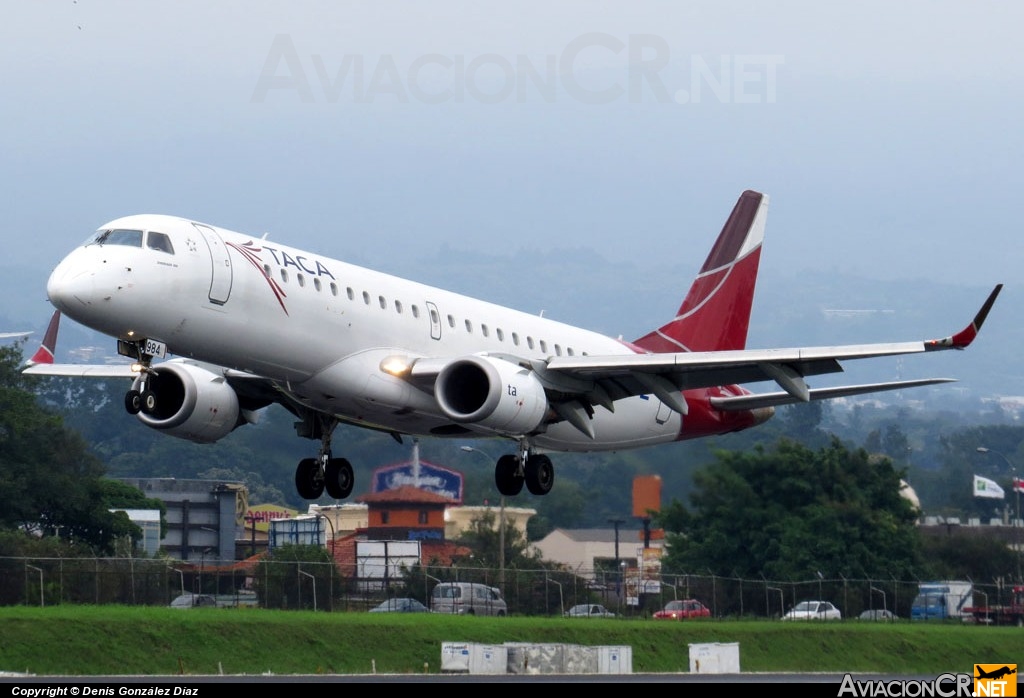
70 286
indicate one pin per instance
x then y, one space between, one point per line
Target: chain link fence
325 586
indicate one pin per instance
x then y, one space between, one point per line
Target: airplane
14 335
995 673
220 324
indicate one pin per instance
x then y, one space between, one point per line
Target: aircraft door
220 274
435 320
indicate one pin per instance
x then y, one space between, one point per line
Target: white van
467 598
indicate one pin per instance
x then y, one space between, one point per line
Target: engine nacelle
191 402
492 393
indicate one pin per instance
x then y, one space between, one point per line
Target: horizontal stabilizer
750 402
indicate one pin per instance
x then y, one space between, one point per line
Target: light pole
40 571
618 568
501 524
1016 492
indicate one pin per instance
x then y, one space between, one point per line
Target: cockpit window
159 241
129 238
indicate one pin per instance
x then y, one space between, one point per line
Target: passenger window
469 326
451 321
415 310
383 302
159 242
501 334
484 331
284 275
317 285
366 297
515 338
398 307
301 278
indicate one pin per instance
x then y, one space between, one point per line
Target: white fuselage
319 328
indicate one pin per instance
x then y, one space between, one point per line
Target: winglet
963 338
44 354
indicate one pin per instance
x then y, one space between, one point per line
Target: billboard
422 475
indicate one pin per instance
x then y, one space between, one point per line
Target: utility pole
618 568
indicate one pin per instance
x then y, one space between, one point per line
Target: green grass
88 641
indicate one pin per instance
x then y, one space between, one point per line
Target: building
204 517
587 551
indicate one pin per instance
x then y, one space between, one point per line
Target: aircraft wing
13 335
607 378
82 370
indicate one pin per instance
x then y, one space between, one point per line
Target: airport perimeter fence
325 586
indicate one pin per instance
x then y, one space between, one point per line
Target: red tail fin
44 354
716 312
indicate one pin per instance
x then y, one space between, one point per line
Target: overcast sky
888 135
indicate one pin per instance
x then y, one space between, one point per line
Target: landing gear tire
506 476
540 474
148 401
308 480
338 478
133 401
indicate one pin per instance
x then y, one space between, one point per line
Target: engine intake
492 393
191 402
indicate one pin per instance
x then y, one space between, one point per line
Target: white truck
943 600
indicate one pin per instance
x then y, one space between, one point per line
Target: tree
296 576
483 536
49 482
791 512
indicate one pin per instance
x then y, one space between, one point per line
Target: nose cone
71 286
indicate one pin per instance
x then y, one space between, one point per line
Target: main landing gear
314 475
510 473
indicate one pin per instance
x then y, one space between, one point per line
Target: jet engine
187 401
491 393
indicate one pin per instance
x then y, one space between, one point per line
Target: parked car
680 609
878 614
589 610
400 605
813 610
467 598
194 601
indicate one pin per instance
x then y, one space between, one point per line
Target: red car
681 609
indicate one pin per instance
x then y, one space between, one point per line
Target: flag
983 487
1018 485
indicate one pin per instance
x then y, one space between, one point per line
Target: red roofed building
404 513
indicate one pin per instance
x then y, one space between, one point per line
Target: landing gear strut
314 475
139 399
